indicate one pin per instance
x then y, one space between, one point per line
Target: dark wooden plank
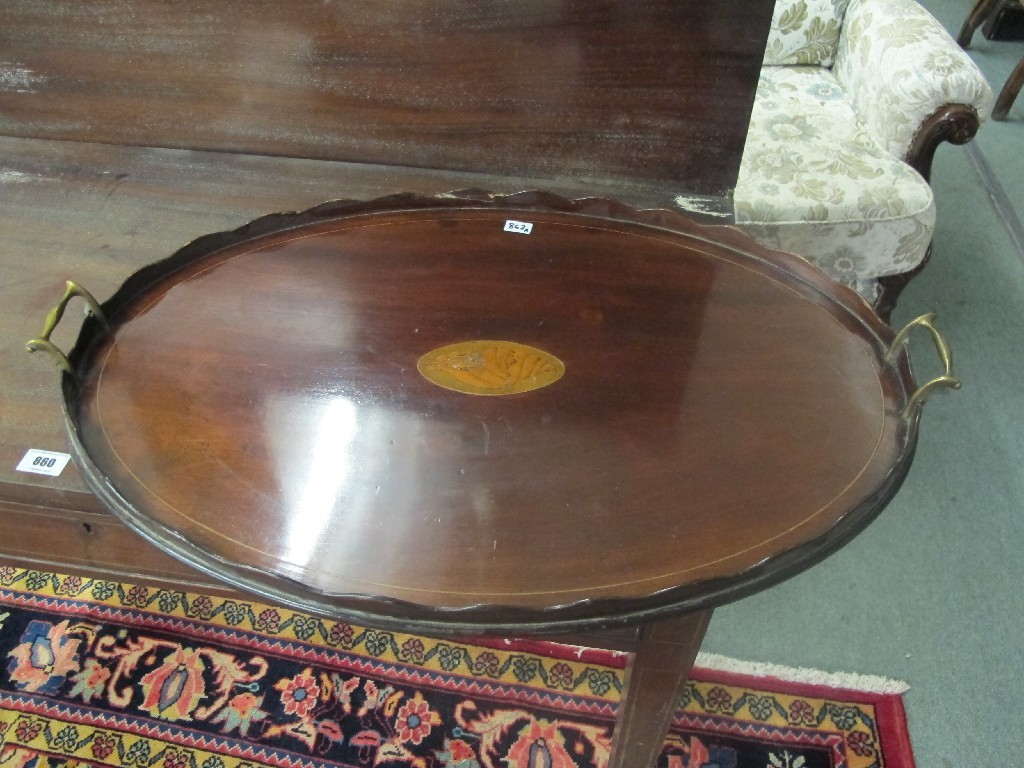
598 91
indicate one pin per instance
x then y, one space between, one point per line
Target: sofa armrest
900 68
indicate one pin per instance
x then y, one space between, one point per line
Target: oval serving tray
472 413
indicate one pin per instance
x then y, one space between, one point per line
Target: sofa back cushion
805 32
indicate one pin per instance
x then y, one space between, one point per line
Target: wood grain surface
597 91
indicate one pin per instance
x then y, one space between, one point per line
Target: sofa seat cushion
814 182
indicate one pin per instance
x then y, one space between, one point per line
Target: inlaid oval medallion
488 367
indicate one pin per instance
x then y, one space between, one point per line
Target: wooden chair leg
1009 92
981 11
658 669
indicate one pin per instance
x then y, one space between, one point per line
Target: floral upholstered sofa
853 99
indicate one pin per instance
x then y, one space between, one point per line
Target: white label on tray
44 462
520 227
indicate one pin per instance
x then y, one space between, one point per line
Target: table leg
657 671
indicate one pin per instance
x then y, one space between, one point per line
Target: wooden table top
652 421
620 91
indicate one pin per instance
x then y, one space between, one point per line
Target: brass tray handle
53 317
945 381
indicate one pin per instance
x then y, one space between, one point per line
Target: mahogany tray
492 414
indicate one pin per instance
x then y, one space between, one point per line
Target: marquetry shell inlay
488 367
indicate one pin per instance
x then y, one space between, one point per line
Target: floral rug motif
100 673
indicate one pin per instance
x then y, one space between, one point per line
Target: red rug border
891 719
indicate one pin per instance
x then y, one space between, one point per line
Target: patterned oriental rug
97 672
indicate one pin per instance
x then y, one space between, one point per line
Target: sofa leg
889 290
891 286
